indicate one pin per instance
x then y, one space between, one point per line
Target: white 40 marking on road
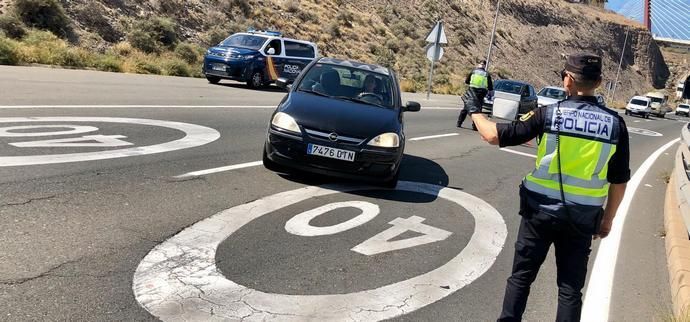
299 225
179 279
195 135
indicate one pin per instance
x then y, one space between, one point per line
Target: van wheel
256 81
213 79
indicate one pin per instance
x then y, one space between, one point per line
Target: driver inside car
371 91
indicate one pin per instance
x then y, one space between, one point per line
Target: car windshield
508 87
683 106
244 41
638 102
350 84
656 99
554 93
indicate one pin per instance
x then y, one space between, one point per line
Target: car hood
233 51
342 117
543 100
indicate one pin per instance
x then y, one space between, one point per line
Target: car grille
324 136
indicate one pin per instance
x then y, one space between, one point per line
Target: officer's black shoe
458 124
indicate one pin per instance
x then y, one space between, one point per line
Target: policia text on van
583 158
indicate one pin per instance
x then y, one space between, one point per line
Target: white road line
598 296
433 137
133 106
520 153
221 169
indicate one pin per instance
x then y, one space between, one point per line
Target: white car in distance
550 95
639 105
683 109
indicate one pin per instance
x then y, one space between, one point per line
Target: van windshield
656 99
638 102
244 41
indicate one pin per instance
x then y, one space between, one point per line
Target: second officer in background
480 83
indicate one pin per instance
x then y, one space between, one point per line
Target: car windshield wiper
357 100
312 92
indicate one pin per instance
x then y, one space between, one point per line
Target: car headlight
386 140
285 122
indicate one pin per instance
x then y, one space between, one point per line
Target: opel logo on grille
333 137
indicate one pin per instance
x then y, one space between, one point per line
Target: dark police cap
585 64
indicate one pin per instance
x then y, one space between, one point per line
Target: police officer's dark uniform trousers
480 82
594 152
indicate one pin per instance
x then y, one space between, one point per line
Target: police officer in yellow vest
479 81
582 159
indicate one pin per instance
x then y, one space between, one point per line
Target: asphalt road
73 233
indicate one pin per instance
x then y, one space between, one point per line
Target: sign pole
493 35
615 83
437 52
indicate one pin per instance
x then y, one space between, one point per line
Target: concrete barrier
677 226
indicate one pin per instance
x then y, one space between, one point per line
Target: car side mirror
284 83
412 107
271 51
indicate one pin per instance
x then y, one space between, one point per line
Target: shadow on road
413 168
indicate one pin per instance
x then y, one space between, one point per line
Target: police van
258 58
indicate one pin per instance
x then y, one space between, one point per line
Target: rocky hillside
532 38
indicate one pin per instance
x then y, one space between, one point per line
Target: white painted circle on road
179 279
75 129
195 135
643 132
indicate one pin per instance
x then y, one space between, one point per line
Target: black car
340 118
528 97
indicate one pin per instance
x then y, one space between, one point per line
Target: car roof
554 87
272 36
644 98
513 81
356 64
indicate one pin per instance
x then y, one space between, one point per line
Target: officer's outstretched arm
487 129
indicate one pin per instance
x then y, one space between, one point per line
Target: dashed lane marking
220 169
519 153
434 137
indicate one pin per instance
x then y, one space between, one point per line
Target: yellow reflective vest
588 138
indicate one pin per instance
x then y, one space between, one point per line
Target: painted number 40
380 243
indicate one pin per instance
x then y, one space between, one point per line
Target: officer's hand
472 103
604 229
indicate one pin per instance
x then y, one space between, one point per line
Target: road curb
677 226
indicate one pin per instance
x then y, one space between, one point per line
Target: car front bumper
369 165
235 70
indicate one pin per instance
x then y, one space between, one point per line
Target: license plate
218 67
328 152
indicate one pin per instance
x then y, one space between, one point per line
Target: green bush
43 14
108 63
146 67
154 34
176 67
12 26
190 53
40 38
8 52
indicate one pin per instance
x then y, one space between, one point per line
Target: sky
670 18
